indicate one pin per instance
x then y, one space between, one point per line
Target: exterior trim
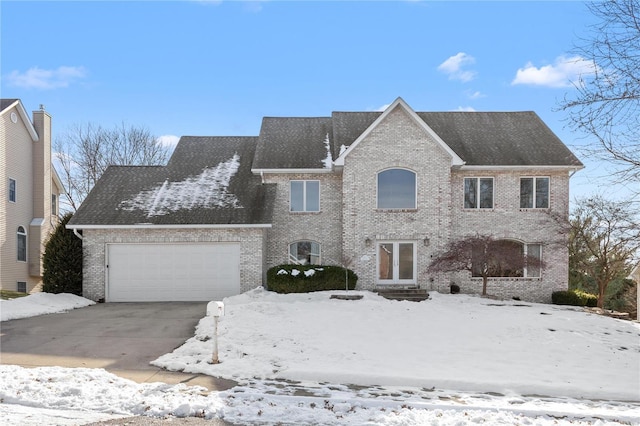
152 226
292 171
25 118
516 168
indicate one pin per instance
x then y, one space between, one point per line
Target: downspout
77 234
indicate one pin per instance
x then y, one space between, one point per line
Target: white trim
399 102
291 171
153 226
25 118
519 168
37 221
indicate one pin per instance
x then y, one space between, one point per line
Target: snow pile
450 342
328 161
65 396
39 304
209 189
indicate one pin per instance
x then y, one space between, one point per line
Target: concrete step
409 294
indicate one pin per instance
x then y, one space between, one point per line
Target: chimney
42 164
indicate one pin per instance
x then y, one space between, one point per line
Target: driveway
122 338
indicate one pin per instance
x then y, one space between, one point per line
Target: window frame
13 193
478 192
534 191
18 285
415 189
305 200
525 247
295 260
21 251
54 205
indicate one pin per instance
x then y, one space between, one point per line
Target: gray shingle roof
293 143
5 103
208 180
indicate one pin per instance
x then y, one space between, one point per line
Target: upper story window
534 193
396 189
304 253
22 244
304 195
54 204
478 193
12 190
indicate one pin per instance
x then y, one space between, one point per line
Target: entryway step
409 294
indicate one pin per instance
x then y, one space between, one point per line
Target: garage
172 272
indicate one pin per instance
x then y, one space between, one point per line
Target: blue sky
217 67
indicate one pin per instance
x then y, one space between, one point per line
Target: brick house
381 191
29 195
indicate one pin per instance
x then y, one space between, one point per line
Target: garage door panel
172 272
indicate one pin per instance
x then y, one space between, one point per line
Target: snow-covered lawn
309 359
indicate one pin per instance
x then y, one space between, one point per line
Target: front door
396 262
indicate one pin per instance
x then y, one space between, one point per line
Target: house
29 195
382 192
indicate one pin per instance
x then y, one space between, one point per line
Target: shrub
574 298
307 278
62 261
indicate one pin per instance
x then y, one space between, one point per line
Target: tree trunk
484 285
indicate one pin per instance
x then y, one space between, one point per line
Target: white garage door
172 272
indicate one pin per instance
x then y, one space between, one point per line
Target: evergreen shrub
62 261
574 298
307 278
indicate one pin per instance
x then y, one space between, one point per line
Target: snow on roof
209 189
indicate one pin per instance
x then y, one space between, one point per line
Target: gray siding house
382 192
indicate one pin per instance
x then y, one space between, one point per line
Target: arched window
22 244
396 189
304 253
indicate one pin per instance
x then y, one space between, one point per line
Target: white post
216 310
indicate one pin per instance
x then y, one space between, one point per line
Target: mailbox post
216 310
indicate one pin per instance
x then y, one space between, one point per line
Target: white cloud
465 109
38 78
475 95
383 107
561 73
168 141
454 65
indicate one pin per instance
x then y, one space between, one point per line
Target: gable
400 105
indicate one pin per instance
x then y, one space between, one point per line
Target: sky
451 360
215 68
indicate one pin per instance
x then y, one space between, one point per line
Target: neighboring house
29 195
635 277
382 192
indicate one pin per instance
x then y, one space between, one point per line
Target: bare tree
607 102
85 151
604 238
486 257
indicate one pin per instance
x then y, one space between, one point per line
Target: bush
307 278
574 298
62 261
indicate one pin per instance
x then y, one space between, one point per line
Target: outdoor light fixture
426 241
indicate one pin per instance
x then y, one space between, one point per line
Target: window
534 193
12 190
396 262
54 204
304 253
21 287
478 193
505 258
304 196
22 244
397 189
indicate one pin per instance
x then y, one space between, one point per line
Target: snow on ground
39 304
309 359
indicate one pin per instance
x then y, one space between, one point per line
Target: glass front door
396 262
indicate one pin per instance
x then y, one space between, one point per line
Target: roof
6 103
207 181
477 138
